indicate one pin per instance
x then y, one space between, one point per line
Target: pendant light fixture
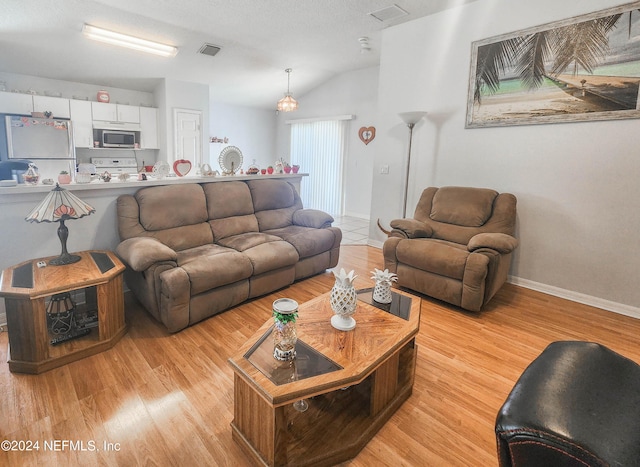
287 103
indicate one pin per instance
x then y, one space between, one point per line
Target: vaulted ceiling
318 39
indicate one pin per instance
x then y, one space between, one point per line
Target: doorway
188 136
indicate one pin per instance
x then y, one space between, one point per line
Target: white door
188 141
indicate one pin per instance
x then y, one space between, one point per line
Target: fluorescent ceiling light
123 40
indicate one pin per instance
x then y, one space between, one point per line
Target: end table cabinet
95 285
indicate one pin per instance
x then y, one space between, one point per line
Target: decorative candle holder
344 301
382 289
285 312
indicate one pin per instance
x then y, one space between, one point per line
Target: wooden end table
94 285
353 383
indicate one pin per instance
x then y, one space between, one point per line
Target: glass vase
285 336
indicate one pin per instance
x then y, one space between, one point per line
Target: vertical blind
319 147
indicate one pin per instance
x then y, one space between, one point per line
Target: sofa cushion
436 256
211 266
232 226
266 252
306 240
162 215
469 207
274 203
230 209
248 240
271 256
163 207
271 194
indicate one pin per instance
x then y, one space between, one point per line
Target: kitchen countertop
133 183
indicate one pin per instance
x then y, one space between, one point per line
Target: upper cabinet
104 112
16 103
58 106
24 104
115 113
128 113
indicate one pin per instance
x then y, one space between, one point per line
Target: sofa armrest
141 252
502 243
312 218
410 228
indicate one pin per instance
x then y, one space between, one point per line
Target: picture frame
584 68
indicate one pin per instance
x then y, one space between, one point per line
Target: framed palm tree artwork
581 69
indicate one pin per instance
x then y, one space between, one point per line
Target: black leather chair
577 404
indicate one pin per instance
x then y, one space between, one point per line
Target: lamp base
63 259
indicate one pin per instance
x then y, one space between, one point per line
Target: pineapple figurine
382 290
343 301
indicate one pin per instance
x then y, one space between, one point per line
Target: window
318 146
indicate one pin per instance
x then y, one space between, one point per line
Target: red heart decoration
367 134
182 167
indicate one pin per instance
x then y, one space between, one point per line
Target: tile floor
355 230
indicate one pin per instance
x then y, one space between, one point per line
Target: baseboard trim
375 243
359 215
577 297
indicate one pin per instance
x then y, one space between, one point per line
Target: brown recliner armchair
458 246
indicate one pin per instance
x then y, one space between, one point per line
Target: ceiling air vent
209 49
388 13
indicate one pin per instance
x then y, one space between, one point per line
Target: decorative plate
160 169
230 160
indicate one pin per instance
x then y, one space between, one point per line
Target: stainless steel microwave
118 139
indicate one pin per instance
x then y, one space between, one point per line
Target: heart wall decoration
367 134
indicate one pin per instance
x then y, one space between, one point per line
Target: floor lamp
410 118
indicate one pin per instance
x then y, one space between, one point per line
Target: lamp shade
287 104
58 205
411 117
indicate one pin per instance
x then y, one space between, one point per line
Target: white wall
576 183
251 130
172 95
354 93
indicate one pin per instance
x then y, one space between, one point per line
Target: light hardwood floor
167 399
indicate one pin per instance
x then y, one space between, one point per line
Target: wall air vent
209 49
389 13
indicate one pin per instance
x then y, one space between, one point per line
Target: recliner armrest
502 243
141 252
410 228
312 218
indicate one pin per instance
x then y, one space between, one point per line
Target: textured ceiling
318 39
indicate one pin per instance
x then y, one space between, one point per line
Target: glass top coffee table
353 382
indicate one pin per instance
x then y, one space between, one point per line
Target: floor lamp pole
410 118
406 178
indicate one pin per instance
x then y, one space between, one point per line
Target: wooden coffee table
352 381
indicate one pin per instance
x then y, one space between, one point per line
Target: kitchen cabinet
115 113
148 128
82 121
104 112
16 103
128 113
58 106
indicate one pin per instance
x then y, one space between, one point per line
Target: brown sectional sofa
194 250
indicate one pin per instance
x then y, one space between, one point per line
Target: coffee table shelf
347 406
